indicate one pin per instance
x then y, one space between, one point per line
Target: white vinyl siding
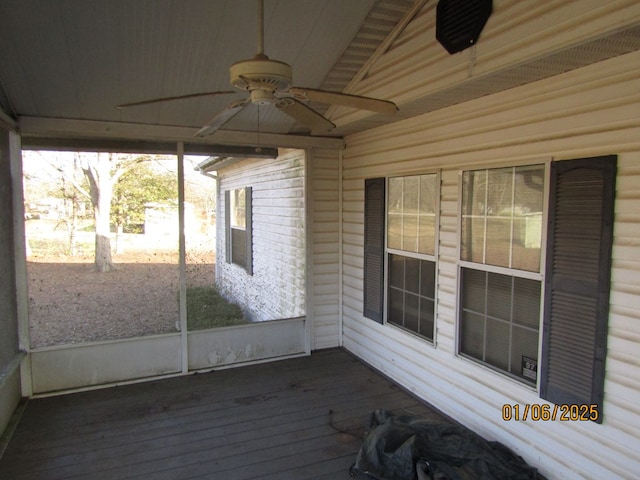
277 287
324 182
586 112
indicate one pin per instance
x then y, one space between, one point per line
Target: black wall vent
459 22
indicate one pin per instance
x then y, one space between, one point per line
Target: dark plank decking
292 419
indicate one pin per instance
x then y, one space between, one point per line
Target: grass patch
206 308
59 248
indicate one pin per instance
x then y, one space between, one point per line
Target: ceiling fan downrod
260 52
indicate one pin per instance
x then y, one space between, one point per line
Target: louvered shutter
580 237
374 203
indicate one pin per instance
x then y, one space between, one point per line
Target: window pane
473 290
472 240
497 351
499 296
526 242
395 306
394 231
239 247
472 337
396 271
426 318
237 208
410 233
498 241
526 302
474 192
411 319
427 278
529 188
395 195
528 204
427 234
410 195
500 193
412 275
428 189
524 343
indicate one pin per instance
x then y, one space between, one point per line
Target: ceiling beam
137 146
71 129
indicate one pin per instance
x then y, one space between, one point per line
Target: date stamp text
537 412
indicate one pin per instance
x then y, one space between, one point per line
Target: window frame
387 252
500 270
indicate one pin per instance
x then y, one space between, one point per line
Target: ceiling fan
270 82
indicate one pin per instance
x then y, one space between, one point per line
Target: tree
96 176
103 170
135 189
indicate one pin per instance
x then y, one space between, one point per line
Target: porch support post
20 254
184 344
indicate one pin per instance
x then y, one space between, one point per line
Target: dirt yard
69 302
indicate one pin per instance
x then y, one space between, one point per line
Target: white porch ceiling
76 60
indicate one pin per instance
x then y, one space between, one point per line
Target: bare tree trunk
102 173
100 183
103 261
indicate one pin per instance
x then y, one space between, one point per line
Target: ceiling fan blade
344 99
179 97
303 114
223 117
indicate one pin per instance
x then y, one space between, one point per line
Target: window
410 210
502 272
238 229
411 234
501 282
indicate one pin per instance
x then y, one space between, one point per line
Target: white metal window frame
539 275
419 256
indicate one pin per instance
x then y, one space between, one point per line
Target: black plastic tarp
413 448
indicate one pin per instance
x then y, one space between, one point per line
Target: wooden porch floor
292 419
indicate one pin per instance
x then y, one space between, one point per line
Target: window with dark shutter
238 228
374 213
580 237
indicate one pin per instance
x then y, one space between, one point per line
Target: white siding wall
591 111
324 184
277 287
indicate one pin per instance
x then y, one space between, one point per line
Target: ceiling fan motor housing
269 76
